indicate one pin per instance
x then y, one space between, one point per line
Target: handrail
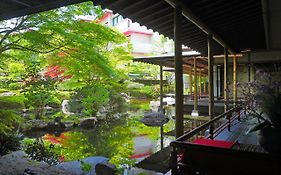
179 142
207 124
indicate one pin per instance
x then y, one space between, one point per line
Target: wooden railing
181 141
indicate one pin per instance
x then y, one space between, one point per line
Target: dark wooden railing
181 141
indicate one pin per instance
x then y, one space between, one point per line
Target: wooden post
195 85
161 105
226 80
199 84
211 82
234 80
250 71
217 82
178 70
190 82
226 90
204 85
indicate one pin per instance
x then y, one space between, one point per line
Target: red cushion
214 143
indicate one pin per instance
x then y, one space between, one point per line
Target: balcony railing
181 143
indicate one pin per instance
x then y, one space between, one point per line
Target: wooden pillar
161 105
249 70
211 81
178 70
190 82
199 84
234 80
204 85
195 85
217 82
226 80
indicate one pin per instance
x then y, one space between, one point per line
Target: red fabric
136 156
214 143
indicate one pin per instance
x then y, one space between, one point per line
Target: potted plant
264 102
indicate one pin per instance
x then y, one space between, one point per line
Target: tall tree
89 52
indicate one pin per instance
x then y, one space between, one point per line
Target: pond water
123 140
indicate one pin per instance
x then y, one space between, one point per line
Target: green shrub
40 151
63 95
14 86
89 99
3 90
9 142
12 102
8 120
54 102
144 91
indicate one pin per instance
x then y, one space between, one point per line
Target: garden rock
8 94
18 163
56 126
36 125
76 166
88 122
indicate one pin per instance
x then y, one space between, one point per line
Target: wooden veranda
247 28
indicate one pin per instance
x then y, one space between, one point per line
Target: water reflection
123 141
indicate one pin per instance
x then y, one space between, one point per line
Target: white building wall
141 43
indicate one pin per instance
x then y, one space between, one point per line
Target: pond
123 141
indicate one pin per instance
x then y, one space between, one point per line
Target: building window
117 19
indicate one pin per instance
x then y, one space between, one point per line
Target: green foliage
86 166
8 120
138 90
14 86
138 128
89 99
111 139
40 38
10 74
40 90
88 53
74 145
143 71
12 102
136 104
9 142
3 90
40 151
54 101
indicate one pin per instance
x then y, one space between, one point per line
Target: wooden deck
238 133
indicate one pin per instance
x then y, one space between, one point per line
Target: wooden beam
21 3
211 81
43 6
178 71
195 20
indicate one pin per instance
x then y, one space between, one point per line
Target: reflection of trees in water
111 139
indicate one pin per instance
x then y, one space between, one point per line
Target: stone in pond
75 166
88 122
